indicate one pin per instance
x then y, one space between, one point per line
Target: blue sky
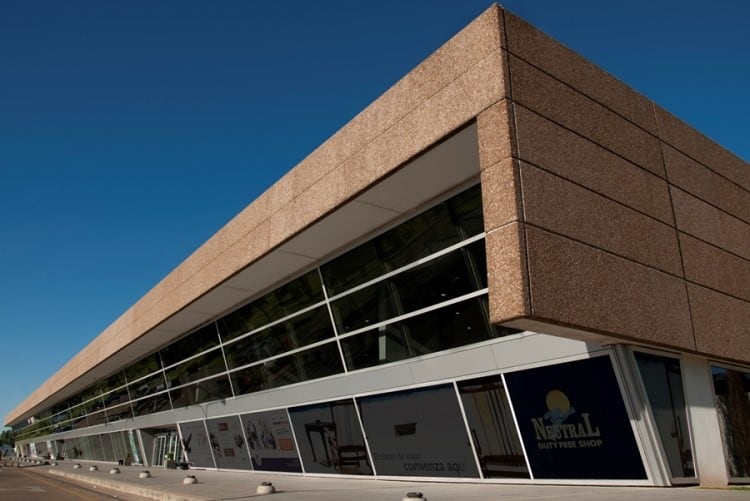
130 132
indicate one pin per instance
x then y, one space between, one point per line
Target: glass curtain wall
417 288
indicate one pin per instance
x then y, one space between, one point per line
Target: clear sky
131 131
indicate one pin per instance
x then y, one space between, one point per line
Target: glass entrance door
160 450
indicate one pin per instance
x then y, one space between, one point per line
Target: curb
126 487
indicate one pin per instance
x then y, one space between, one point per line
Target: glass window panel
192 344
147 386
143 367
112 382
196 445
300 293
228 443
119 413
662 379
271 441
201 367
455 325
97 418
448 327
418 237
204 391
116 397
133 446
150 405
120 448
493 430
330 438
379 346
365 307
467 211
97 450
248 380
355 267
279 303
107 448
295 333
441 279
418 433
732 389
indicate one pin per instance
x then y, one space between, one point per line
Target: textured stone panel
722 324
501 194
496 135
580 286
691 176
559 150
715 268
535 47
562 207
691 142
445 112
555 100
506 270
708 223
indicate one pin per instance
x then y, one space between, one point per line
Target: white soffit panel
449 164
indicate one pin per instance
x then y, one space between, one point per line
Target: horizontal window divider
282 355
275 322
192 357
413 264
415 313
207 378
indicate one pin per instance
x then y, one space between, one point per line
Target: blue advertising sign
573 421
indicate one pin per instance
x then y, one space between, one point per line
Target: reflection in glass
211 389
448 327
192 344
286 300
299 331
201 367
119 413
493 430
330 438
418 433
146 365
150 405
732 389
314 363
433 230
662 379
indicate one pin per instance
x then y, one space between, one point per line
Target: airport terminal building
510 267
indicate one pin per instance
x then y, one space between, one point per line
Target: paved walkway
167 485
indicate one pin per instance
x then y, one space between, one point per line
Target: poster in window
271 442
228 443
573 421
418 433
196 445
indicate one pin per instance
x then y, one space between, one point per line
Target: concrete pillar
708 446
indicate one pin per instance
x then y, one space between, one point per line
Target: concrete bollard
413 496
114 471
54 463
76 466
93 467
265 488
190 479
144 474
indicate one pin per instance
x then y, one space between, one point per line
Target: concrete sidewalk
167 485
